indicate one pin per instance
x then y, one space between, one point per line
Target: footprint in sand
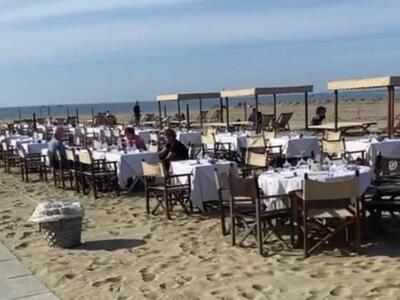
337 291
10 234
99 283
146 275
22 245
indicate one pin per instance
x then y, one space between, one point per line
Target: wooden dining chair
97 174
383 195
32 163
222 184
168 190
254 163
336 149
326 209
61 171
11 157
249 216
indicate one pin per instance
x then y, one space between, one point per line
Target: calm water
171 107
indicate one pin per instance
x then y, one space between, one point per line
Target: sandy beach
128 255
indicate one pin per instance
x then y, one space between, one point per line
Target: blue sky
71 51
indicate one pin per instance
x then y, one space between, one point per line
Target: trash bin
60 222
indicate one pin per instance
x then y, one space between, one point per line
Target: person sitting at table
173 149
133 140
320 115
57 144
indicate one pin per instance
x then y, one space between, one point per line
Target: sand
129 255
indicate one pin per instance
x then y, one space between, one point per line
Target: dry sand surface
129 255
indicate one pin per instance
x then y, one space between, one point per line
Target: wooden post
179 114
48 111
159 114
389 112
92 116
165 111
274 107
19 114
34 121
245 111
393 103
336 109
306 109
77 116
221 107
67 111
201 112
187 116
227 112
256 116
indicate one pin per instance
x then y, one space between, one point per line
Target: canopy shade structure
389 82
258 91
188 96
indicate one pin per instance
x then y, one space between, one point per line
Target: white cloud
47 9
193 29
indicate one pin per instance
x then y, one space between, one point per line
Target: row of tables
281 181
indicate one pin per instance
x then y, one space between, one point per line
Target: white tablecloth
203 180
388 148
296 147
237 140
191 137
286 181
34 147
19 141
128 164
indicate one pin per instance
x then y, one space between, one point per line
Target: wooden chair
282 122
321 206
222 183
336 149
99 174
61 171
249 215
332 135
74 169
32 163
11 157
215 117
383 194
169 191
254 163
267 120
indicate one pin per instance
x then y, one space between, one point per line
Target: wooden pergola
274 91
389 82
188 96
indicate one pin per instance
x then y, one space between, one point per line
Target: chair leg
305 234
167 205
94 187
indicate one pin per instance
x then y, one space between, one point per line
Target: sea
62 110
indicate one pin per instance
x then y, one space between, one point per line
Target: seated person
173 149
253 115
57 144
320 115
132 140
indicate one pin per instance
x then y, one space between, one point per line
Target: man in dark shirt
136 113
173 150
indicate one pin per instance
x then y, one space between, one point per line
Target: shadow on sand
110 245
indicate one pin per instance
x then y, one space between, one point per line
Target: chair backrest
70 153
255 142
256 159
333 147
243 187
85 157
266 120
152 147
337 190
332 135
268 135
153 170
387 166
284 119
203 114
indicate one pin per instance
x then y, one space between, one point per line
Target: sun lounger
344 127
282 122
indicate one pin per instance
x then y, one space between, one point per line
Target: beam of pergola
388 82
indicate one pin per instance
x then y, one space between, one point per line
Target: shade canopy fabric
188 96
364 83
266 91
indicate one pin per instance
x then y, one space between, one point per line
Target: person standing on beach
136 113
57 144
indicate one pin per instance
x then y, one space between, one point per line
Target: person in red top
133 140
